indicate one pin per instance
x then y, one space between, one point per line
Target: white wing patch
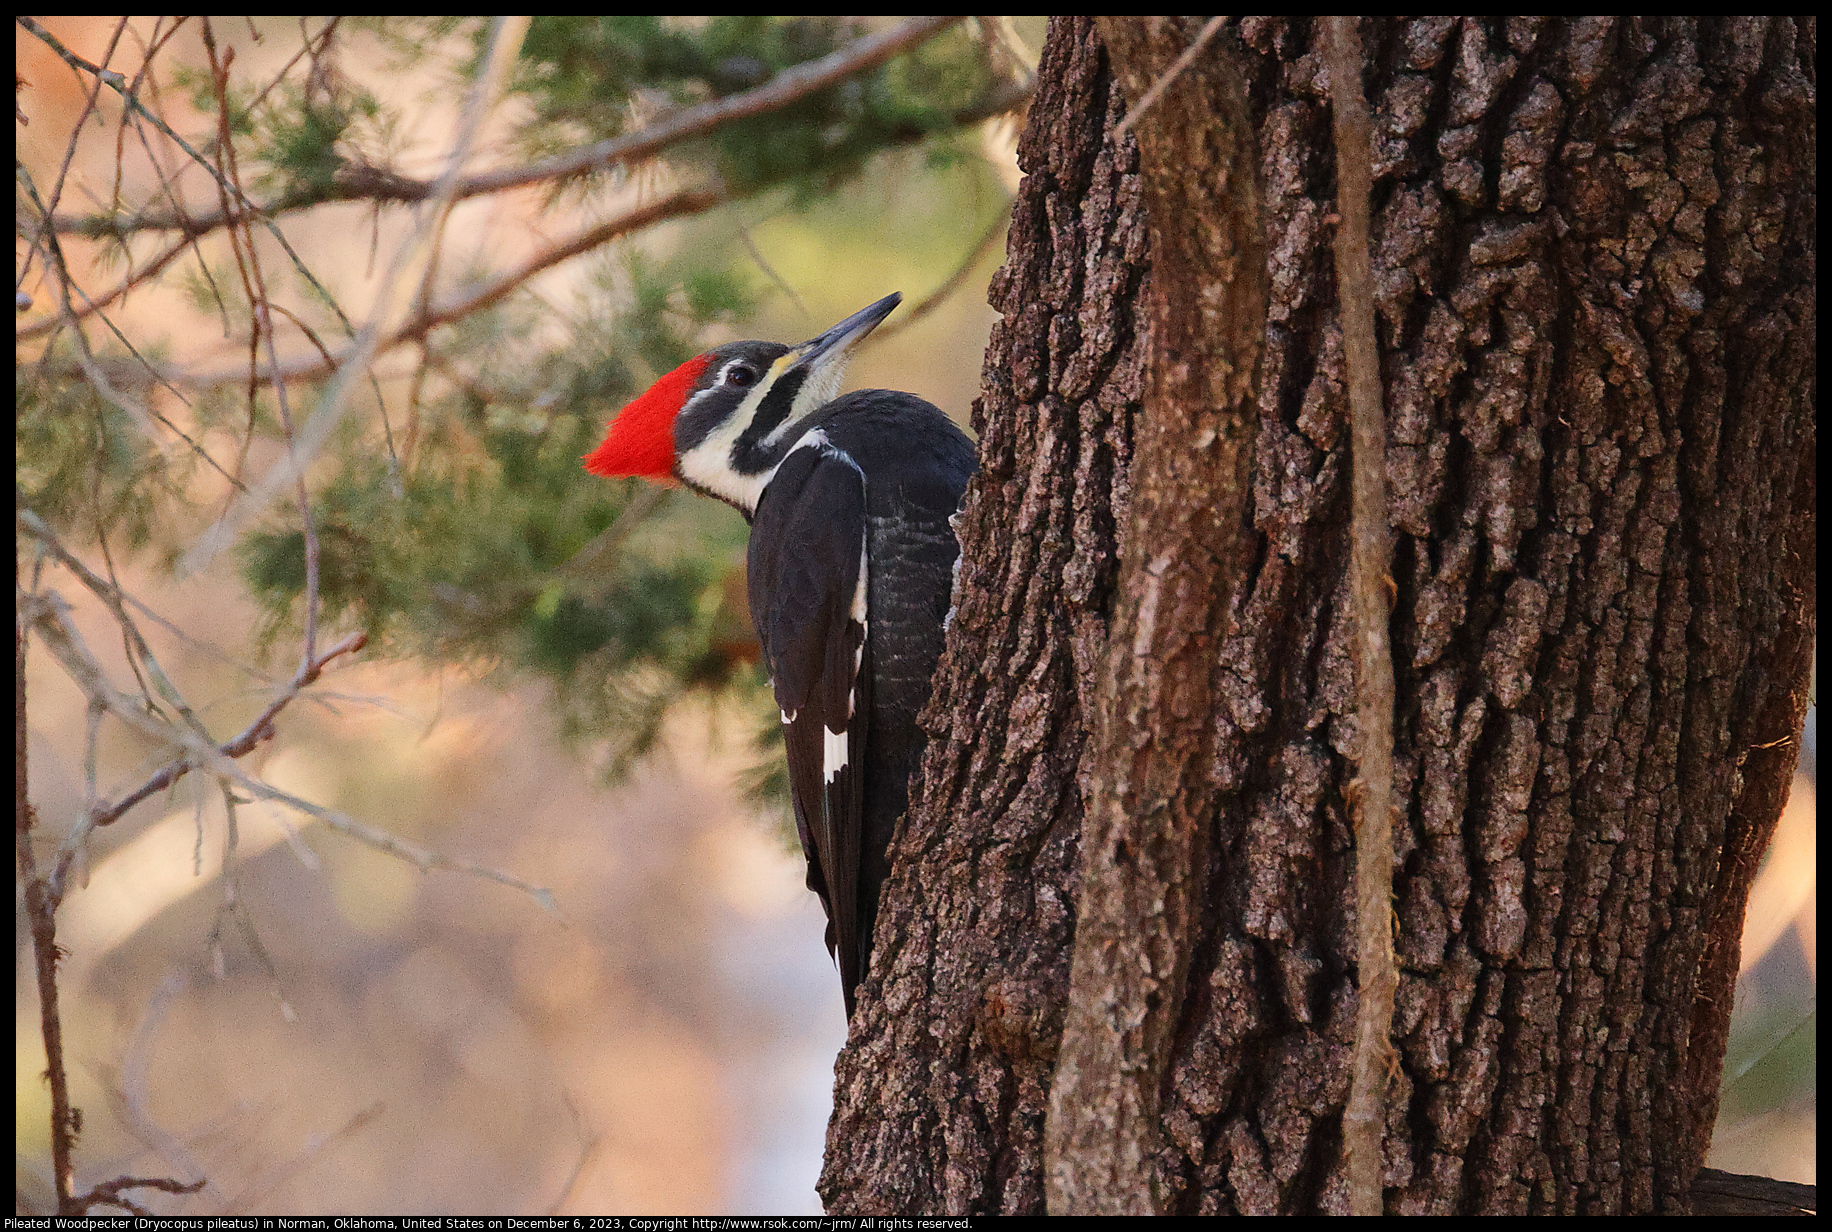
788 716
835 745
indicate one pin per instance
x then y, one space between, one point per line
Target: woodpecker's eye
740 376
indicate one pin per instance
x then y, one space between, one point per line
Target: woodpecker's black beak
830 349
821 361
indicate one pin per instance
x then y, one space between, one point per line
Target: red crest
640 441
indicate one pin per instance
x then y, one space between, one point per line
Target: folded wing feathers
815 606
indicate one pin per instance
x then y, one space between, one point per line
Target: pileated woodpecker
850 566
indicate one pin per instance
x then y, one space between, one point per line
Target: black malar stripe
748 455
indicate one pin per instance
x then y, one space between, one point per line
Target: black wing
807 584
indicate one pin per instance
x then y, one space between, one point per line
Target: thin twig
254 286
949 285
323 39
586 567
504 42
110 1193
92 730
782 284
39 329
130 632
252 1197
678 204
1364 1123
76 129
112 596
476 297
133 1102
687 201
588 1146
145 417
786 87
118 84
50 615
1171 74
41 918
241 745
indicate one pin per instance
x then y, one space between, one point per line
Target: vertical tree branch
969 1001
254 286
40 915
1373 1058
1151 802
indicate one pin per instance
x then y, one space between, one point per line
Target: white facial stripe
715 472
817 391
709 463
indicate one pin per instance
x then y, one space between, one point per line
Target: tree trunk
1593 261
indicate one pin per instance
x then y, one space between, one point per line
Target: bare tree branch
376 184
1151 797
144 417
132 1095
1138 110
949 285
254 286
505 39
47 611
145 273
110 1193
1364 1123
113 597
679 204
118 84
41 918
49 614
76 129
251 1198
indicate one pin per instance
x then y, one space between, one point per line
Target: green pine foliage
588 76
299 136
82 465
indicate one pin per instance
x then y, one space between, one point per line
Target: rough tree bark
1594 277
1149 801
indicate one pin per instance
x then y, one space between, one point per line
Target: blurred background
559 683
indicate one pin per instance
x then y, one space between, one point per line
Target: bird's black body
872 481
851 561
